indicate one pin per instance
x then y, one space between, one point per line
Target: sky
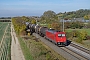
10 8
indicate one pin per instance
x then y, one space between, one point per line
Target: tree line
51 15
52 20
85 13
20 24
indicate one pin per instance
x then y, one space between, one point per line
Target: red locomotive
55 36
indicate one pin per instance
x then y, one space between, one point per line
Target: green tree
77 25
75 14
49 16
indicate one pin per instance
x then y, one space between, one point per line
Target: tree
77 25
19 24
55 25
67 25
49 16
33 21
75 14
86 17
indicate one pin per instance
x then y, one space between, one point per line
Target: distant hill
74 14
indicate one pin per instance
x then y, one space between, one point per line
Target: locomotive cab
61 38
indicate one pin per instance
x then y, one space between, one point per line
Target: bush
72 34
68 35
83 35
77 24
79 40
75 33
79 35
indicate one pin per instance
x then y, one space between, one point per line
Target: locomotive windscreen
61 35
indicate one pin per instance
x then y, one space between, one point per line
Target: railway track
77 56
71 52
76 53
80 48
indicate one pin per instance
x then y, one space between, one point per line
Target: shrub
75 33
68 35
79 40
83 35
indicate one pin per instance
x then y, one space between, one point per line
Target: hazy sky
38 7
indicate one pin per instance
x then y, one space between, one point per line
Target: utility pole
63 25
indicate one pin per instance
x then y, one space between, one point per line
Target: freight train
58 37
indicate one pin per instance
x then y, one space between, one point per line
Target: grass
25 50
87 43
34 49
87 30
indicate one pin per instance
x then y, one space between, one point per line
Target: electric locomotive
58 37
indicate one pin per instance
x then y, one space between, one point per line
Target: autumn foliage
19 24
55 25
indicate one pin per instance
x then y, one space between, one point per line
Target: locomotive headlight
58 42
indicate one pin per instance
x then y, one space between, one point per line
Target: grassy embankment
86 43
25 49
34 49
